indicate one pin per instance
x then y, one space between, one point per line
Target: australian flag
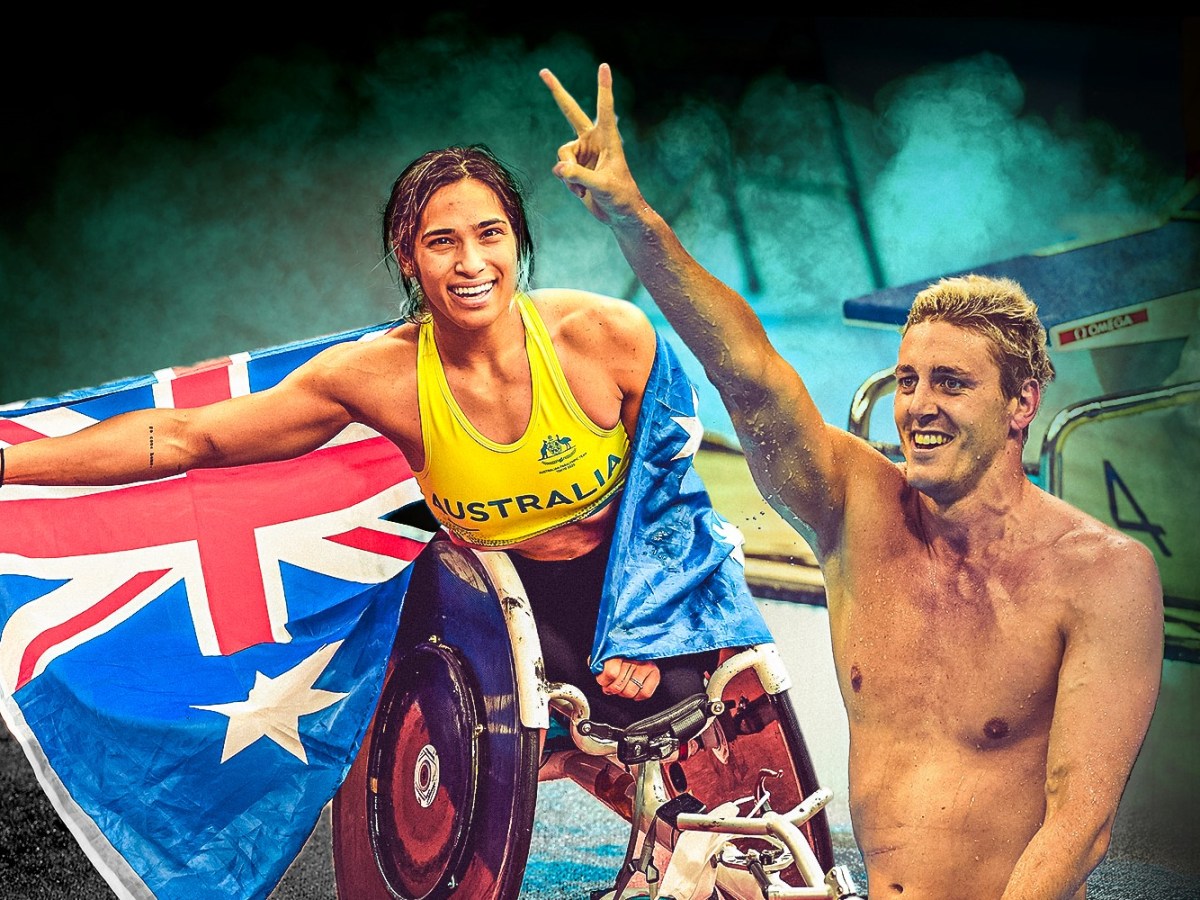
190 664
676 580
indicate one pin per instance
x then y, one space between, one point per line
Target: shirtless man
998 651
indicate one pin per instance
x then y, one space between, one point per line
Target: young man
998 651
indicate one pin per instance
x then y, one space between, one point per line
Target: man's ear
1028 400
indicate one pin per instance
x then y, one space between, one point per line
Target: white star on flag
690 424
274 706
731 534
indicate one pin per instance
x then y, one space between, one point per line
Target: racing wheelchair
719 790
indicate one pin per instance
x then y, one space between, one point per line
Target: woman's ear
407 269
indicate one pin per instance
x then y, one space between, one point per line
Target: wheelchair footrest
659 735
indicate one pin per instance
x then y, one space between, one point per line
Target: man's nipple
995 729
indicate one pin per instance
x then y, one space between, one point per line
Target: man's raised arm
790 448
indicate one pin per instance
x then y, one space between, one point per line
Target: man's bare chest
957 651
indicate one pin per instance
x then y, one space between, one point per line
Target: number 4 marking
1111 478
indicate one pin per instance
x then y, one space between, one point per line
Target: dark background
92 74
135 148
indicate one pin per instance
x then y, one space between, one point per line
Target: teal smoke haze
157 249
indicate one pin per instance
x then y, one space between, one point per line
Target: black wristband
1 467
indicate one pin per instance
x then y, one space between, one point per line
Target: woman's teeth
475 290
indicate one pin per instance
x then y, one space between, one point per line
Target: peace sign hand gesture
593 165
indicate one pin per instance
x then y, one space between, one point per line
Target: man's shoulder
1080 533
1094 556
882 512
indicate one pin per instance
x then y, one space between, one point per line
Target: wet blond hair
998 309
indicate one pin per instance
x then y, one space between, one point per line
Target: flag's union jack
138 625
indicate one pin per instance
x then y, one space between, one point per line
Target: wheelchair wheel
440 801
817 828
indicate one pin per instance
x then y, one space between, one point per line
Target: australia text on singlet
562 469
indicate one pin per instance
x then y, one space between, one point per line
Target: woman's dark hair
411 193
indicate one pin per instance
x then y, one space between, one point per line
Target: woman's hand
629 678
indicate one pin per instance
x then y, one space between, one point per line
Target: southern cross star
274 706
732 535
690 424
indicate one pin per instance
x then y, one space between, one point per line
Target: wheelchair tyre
815 829
440 800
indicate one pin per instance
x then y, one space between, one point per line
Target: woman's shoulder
577 315
385 340
388 353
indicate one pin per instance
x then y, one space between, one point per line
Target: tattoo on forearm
152 446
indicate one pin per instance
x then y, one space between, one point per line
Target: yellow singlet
563 468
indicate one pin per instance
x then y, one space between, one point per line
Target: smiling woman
461 260
525 404
515 409
476 171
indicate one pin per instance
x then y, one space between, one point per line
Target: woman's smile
465 255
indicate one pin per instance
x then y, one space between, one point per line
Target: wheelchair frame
767 854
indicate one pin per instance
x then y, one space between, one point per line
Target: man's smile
926 440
